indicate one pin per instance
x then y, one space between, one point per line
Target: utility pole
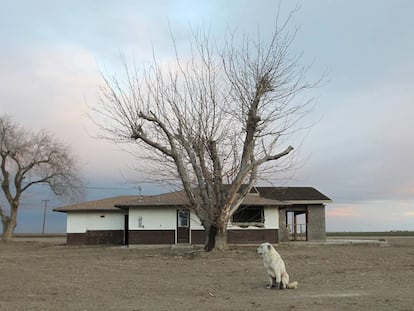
44 214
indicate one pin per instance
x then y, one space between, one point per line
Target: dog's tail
292 285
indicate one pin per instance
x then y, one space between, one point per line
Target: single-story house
273 214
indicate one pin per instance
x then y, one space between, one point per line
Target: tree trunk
216 239
9 224
210 238
221 240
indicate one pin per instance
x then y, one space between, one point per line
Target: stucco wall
283 231
316 223
195 223
166 218
316 230
81 222
159 224
160 218
271 217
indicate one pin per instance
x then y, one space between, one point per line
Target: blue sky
360 153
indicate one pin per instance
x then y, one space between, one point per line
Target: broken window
249 215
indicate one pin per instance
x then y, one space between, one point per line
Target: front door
126 229
183 226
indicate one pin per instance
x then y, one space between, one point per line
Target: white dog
275 267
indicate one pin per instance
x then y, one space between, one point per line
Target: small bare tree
215 121
26 159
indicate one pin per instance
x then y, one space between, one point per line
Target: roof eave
87 210
309 201
149 205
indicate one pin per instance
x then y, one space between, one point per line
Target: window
183 218
249 215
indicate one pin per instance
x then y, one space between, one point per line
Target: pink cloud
409 213
346 211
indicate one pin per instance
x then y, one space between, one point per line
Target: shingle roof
290 194
254 199
98 205
267 196
179 198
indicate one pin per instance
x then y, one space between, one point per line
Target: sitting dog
275 267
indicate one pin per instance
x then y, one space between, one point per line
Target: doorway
183 226
297 225
126 229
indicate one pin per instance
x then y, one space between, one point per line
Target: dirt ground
47 275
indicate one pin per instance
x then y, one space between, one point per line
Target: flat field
48 275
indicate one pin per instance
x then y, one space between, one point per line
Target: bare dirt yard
47 275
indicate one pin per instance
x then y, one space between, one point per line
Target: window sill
248 224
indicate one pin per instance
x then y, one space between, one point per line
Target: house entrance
126 230
297 225
183 226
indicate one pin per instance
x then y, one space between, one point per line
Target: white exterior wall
271 217
81 222
195 223
152 218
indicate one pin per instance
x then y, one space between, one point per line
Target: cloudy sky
360 153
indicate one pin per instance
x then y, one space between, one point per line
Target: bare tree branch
29 158
213 120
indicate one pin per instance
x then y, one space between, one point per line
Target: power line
93 187
103 188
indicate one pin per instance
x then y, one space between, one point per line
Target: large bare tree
215 120
28 158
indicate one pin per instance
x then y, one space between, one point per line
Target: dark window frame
184 218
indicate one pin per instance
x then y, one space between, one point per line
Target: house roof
265 196
294 194
107 204
179 198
